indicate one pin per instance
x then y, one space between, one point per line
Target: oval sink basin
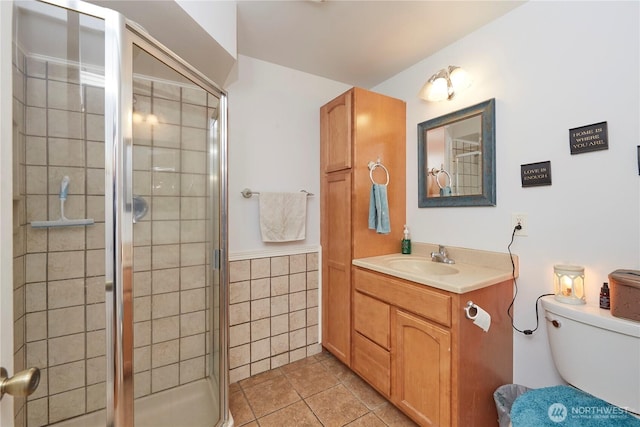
422 266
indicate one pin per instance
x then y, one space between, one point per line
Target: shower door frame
120 36
121 363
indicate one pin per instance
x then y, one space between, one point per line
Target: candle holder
568 281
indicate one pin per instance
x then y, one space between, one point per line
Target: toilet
595 351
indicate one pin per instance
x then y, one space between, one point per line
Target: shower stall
120 224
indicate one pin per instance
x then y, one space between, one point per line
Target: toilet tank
595 352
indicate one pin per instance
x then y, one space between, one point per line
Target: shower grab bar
247 193
377 164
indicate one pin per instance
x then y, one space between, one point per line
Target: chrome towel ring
373 166
436 173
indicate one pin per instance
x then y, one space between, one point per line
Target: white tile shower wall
63 296
466 176
59 291
273 312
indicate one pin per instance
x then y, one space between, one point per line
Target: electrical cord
515 294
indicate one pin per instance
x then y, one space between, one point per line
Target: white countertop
473 269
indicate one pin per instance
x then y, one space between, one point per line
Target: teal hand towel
379 209
565 406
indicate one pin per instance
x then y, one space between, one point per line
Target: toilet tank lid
591 315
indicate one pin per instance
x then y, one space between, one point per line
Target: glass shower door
177 237
58 168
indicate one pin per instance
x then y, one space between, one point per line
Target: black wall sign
589 138
534 174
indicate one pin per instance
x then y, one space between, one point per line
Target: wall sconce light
445 84
568 282
150 119
137 117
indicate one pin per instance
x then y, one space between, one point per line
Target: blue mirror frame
487 197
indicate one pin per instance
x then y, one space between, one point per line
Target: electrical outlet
520 218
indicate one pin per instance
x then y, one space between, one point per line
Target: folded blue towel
565 406
379 209
445 191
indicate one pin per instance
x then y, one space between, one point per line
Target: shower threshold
194 404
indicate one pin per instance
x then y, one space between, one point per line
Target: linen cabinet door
421 367
335 134
336 264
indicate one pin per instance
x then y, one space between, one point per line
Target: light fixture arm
445 84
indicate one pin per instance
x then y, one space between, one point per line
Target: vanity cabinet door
421 367
335 133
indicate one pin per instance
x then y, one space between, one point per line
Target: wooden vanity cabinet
356 128
442 369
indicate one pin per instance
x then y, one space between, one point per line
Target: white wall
551 66
274 145
218 18
194 41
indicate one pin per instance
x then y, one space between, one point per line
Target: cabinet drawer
419 299
371 319
372 362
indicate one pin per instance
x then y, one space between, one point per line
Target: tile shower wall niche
273 313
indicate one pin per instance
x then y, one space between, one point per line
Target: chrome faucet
441 256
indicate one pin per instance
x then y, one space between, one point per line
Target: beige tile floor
316 391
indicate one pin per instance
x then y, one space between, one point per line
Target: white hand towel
283 216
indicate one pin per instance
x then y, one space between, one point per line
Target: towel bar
247 193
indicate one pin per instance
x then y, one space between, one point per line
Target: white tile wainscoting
273 312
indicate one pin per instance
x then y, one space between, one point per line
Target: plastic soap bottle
406 241
605 301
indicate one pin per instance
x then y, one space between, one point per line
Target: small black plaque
535 174
589 138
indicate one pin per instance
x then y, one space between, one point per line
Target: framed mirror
456 158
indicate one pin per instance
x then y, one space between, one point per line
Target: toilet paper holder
480 318
470 311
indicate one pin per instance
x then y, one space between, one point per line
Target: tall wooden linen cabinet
356 128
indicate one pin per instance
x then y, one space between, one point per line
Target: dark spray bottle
605 300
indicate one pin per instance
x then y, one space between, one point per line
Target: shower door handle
21 384
216 259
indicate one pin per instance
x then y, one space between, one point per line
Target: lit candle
568 282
